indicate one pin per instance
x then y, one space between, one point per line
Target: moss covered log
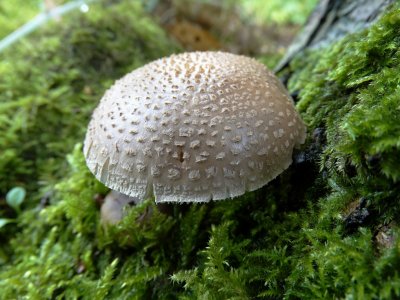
326 228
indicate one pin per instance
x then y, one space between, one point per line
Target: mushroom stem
114 208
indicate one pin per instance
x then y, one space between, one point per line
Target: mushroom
193 127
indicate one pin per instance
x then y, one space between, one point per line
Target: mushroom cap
193 127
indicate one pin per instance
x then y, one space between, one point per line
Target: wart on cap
193 127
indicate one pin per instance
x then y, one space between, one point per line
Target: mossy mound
315 232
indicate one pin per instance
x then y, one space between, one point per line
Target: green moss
291 239
355 100
351 91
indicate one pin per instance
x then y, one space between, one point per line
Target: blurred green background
244 26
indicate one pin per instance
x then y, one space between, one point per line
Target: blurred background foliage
252 27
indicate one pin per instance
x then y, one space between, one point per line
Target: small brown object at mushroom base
193 127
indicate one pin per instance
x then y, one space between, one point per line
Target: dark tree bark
330 21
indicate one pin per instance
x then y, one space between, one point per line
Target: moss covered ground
325 229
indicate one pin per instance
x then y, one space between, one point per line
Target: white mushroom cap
193 127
